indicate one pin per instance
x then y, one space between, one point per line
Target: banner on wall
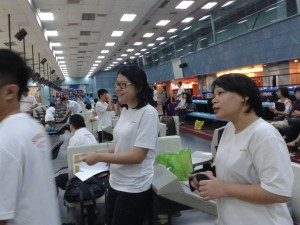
79 89
36 92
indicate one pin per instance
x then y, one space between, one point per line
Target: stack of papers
83 171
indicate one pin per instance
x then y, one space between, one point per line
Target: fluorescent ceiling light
172 30
61 62
104 51
101 57
119 59
227 3
179 50
130 50
111 65
93 67
163 23
59 57
184 4
162 43
54 44
160 38
154 48
117 33
128 17
148 35
187 28
58 52
203 39
209 5
243 21
96 64
132 57
138 43
46 16
143 50
137 53
115 62
151 44
187 20
204 17
51 33
98 61
125 63
110 43
108 67
173 36
124 55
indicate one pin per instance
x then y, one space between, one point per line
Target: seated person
283 95
294 114
81 136
182 107
50 115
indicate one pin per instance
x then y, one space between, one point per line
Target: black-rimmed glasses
122 85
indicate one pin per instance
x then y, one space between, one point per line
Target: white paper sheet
86 171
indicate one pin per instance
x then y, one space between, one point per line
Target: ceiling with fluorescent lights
84 30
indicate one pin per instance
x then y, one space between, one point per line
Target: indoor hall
76 47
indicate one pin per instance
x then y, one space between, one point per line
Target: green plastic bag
179 163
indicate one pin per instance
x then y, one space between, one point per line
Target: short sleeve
272 162
100 108
11 180
147 133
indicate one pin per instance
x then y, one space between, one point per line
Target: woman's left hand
211 189
91 158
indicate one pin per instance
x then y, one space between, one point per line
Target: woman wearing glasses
132 159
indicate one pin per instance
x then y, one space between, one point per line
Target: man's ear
11 91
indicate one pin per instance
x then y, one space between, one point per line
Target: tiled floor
188 217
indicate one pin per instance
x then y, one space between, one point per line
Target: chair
80 150
55 149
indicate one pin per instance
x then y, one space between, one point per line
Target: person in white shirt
81 136
131 160
27 193
254 175
28 102
178 96
154 97
103 108
50 115
72 106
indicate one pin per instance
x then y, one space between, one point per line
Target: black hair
95 100
77 121
180 82
13 70
284 92
63 99
88 106
52 104
138 78
101 92
244 86
296 90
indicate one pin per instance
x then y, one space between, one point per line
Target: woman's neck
243 121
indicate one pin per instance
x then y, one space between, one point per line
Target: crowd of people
253 169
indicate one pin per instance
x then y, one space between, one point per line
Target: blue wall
105 80
88 82
276 42
160 73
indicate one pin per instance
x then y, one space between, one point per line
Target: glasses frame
122 85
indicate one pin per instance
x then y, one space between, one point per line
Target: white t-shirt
28 194
27 102
155 95
139 128
104 117
179 92
82 137
257 155
50 113
75 107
